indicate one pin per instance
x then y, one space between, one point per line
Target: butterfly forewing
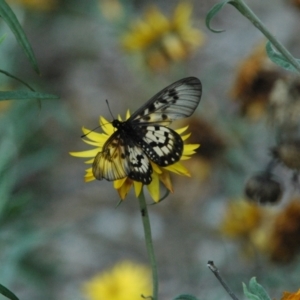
178 100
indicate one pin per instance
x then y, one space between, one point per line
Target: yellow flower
291 296
160 174
126 281
241 218
162 40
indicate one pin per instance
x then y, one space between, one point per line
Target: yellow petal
182 14
156 168
189 149
166 180
125 188
137 188
178 168
106 126
119 182
86 153
153 188
181 130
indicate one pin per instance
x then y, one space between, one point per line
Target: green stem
244 9
149 244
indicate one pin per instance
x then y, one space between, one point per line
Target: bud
263 188
288 152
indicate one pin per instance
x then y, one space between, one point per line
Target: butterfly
145 137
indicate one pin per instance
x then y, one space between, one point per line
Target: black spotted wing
163 145
178 100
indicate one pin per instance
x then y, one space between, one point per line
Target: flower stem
149 244
245 10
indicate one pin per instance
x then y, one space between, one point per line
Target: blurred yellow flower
162 40
160 174
125 281
291 296
241 219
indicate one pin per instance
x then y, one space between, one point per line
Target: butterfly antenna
109 108
92 130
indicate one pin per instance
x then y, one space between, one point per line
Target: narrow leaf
2 38
22 95
16 78
11 20
279 59
249 295
212 13
7 293
258 290
185 297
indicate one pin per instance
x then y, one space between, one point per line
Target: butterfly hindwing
162 145
178 100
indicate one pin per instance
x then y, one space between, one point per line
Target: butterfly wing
121 157
112 162
162 145
178 100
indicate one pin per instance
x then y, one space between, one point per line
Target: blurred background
57 232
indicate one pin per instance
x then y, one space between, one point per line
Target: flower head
125 281
254 82
284 239
263 188
162 40
123 185
291 296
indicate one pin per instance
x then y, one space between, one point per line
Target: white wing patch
162 145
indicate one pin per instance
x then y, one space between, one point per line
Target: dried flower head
285 237
263 188
288 153
254 82
289 295
284 105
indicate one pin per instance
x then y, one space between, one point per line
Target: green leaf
7 293
185 297
11 20
249 295
258 290
21 95
212 13
255 291
279 59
